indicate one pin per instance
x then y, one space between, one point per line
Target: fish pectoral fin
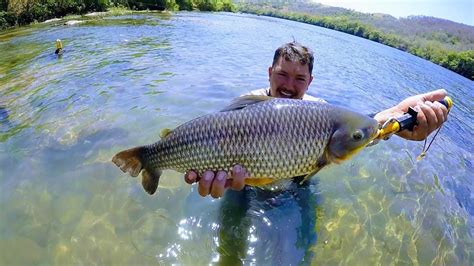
323 161
150 180
252 181
244 101
165 132
308 176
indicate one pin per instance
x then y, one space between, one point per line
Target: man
290 76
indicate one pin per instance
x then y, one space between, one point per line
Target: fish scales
273 139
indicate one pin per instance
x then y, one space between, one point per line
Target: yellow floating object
59 44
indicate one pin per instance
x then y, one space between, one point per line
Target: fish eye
357 135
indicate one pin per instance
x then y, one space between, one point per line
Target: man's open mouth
286 94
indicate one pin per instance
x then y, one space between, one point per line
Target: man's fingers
215 184
205 183
217 188
431 118
238 174
436 95
191 177
420 129
431 113
441 112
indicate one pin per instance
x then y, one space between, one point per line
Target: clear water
123 79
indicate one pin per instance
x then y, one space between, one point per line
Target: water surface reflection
122 80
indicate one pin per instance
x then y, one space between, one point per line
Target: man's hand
431 114
214 184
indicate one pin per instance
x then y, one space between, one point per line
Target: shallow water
123 79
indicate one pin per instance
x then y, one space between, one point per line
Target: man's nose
290 84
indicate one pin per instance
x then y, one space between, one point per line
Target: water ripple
123 79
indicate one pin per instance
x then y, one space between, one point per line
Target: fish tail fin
150 180
129 161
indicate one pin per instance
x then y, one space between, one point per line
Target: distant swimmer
59 47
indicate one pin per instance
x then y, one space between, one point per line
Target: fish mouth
374 132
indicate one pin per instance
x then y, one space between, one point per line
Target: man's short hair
295 52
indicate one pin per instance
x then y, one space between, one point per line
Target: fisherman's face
289 79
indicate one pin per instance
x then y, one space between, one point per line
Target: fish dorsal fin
165 132
244 101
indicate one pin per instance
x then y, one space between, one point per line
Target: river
123 79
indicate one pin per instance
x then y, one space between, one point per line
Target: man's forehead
290 65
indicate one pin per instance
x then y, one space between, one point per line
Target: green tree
459 62
206 5
185 4
3 5
171 5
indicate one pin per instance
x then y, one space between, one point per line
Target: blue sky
456 10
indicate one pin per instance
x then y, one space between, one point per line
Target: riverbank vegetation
22 12
443 42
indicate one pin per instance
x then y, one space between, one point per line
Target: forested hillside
443 42
445 33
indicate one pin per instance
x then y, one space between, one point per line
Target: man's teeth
286 93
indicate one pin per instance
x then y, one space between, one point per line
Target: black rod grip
408 119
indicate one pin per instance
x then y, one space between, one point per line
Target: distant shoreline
460 62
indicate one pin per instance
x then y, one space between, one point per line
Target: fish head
351 133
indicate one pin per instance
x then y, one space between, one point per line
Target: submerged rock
95 14
52 20
73 22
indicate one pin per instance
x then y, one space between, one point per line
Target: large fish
272 138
